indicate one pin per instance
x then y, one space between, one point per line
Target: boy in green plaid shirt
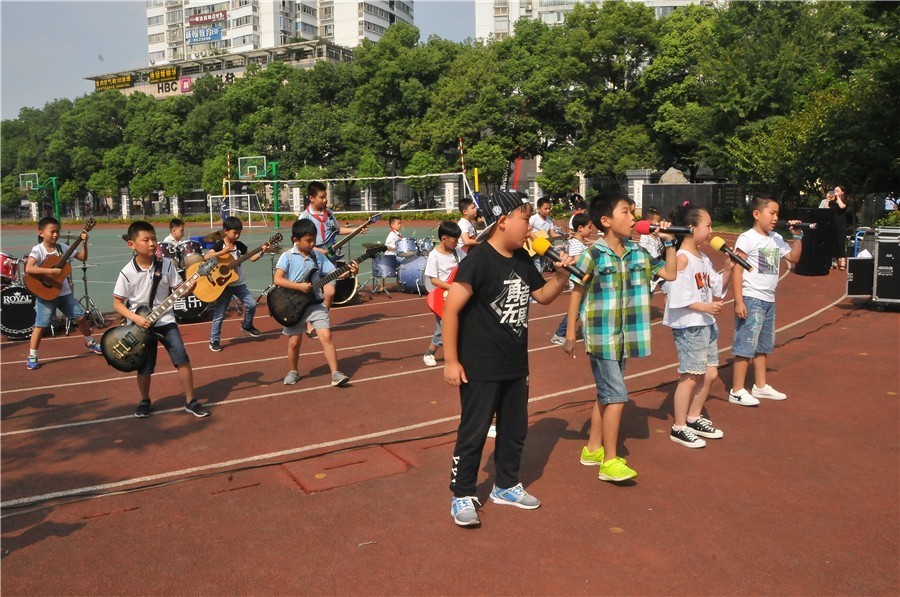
615 316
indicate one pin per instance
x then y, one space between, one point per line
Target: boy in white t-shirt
48 230
466 223
442 260
394 236
176 232
754 300
541 223
582 226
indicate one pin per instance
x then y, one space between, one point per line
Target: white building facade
496 18
193 29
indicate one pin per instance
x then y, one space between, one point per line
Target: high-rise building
191 29
496 18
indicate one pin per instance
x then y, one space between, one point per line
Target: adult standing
841 218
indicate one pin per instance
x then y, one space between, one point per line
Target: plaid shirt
615 313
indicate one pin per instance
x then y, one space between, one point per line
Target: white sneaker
429 360
767 391
492 431
557 340
742 397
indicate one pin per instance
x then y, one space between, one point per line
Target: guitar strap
157 276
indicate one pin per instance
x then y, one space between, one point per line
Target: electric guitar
332 253
125 347
211 286
46 286
288 306
435 299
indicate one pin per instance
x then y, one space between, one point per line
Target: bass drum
191 308
16 312
345 290
411 276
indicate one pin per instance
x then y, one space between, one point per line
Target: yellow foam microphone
542 247
719 245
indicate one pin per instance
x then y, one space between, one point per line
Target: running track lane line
333 443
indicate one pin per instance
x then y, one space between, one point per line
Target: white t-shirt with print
40 252
699 282
540 224
391 242
439 265
764 253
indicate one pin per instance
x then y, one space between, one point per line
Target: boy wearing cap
485 329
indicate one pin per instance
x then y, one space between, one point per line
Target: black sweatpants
479 401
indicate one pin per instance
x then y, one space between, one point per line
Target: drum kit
407 266
17 313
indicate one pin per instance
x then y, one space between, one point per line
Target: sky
48 47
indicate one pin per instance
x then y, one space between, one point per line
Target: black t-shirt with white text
493 326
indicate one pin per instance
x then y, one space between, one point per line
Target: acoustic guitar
125 347
211 286
46 286
288 306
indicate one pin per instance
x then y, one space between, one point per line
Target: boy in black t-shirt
486 353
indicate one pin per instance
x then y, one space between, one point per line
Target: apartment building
496 18
180 30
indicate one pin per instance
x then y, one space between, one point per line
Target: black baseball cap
497 204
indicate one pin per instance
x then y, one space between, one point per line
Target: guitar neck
164 306
347 238
327 279
68 254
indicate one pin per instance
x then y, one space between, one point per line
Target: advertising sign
210 17
120 82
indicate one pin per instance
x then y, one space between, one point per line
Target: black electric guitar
332 253
125 346
288 306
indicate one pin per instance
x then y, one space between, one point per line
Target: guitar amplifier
818 249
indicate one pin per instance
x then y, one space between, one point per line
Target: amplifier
860 276
887 267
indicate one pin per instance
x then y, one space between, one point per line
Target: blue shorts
171 340
610 379
697 348
756 334
44 310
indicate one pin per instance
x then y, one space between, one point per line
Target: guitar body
209 288
48 287
289 306
125 347
436 298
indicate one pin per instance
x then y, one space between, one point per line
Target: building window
157 38
155 21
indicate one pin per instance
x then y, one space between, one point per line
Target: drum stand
91 311
376 289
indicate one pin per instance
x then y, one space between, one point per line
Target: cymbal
214 236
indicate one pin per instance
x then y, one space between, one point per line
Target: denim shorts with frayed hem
756 334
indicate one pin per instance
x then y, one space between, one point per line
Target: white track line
338 442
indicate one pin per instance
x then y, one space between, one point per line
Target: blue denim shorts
610 379
756 334
697 347
44 310
171 340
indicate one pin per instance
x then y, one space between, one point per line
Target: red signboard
209 17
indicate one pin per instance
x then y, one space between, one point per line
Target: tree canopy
786 94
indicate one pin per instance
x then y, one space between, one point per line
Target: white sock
32 352
89 339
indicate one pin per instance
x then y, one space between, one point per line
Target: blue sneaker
515 496
463 511
94 347
32 363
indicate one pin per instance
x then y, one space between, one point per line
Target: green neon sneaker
616 470
594 458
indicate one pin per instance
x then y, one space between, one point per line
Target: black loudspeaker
818 244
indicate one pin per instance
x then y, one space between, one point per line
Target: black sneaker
252 331
143 409
215 347
704 428
196 409
686 438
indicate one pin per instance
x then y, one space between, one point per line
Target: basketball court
314 489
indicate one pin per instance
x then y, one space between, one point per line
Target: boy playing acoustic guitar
230 245
292 267
48 231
